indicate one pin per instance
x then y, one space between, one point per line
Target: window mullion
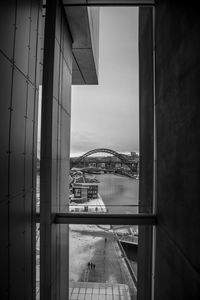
106 219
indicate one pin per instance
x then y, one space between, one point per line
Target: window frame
146 219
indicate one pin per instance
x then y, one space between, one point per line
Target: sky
107 115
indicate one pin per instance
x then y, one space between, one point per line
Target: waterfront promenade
89 243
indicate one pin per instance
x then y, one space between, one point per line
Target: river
119 193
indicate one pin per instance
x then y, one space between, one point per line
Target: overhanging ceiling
84 27
83 20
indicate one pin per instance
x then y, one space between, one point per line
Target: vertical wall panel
17 248
146 148
22 35
7 27
5 96
17 135
33 41
66 90
4 254
55 152
18 111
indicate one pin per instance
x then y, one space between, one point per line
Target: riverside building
89 190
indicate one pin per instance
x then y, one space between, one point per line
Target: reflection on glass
37 261
38 190
103 262
38 150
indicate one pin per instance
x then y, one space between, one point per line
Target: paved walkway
110 266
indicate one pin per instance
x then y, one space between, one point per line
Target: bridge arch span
123 159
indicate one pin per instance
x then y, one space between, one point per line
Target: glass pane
105 122
37 261
37 292
102 193
103 262
38 151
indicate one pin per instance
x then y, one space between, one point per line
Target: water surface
119 193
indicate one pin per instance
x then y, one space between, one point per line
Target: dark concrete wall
177 266
55 140
19 77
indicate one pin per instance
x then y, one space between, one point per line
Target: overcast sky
107 115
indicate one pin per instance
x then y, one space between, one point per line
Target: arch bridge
123 159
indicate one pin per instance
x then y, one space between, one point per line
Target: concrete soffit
84 26
83 20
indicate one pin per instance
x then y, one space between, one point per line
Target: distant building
87 191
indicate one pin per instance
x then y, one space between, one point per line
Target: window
53 190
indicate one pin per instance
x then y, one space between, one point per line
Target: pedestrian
94 266
89 265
